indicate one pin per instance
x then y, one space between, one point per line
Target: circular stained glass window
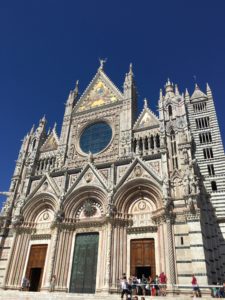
95 137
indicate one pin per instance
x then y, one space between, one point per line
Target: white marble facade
151 181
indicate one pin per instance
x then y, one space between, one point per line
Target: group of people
143 286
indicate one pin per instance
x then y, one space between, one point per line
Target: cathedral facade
117 193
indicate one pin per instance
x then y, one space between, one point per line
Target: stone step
17 295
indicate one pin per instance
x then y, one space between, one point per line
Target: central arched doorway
84 269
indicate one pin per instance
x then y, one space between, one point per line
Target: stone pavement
16 295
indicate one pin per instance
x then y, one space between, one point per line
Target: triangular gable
175 174
198 94
51 142
88 176
101 91
138 169
146 119
46 185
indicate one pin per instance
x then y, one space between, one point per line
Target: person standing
52 283
124 287
162 281
195 286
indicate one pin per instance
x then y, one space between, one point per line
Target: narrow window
182 240
34 144
170 110
214 186
211 170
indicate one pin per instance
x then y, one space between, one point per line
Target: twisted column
171 257
52 256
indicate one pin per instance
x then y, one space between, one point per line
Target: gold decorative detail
98 96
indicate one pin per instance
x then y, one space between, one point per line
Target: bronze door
83 277
35 266
143 257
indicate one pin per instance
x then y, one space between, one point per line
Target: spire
129 84
186 95
54 128
208 90
176 90
131 70
42 121
186 92
196 86
32 129
160 94
76 87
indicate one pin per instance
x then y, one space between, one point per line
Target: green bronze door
83 277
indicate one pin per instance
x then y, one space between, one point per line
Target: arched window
134 145
157 141
214 186
170 111
152 141
173 150
146 143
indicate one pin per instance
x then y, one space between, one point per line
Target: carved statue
186 156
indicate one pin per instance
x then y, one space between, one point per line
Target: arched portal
142 199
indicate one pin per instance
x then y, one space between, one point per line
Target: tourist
162 282
52 283
24 284
143 284
134 286
156 283
148 286
124 287
195 286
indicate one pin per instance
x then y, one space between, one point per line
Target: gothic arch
138 188
74 201
38 203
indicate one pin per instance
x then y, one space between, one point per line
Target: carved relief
89 209
88 177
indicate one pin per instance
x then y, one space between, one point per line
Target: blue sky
47 45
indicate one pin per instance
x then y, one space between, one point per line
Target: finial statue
102 62
145 103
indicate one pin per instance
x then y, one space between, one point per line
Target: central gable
146 119
101 91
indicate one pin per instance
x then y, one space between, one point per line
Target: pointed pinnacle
176 89
196 86
160 94
55 124
186 92
131 69
208 89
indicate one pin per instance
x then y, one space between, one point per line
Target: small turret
169 89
